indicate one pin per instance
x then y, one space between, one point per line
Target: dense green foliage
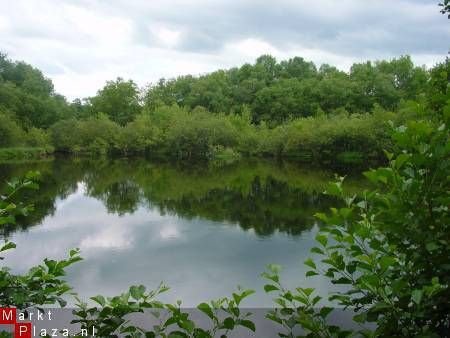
279 91
175 132
28 96
119 100
12 135
283 109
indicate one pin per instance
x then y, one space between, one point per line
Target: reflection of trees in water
270 206
123 197
259 195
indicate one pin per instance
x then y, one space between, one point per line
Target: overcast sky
80 44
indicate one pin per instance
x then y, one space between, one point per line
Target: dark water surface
202 230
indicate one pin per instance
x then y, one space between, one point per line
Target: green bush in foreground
390 249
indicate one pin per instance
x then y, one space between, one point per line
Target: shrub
139 136
97 135
10 132
65 135
38 138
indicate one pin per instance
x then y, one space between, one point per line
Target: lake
201 229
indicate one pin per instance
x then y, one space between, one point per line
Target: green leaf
416 296
270 288
137 292
274 317
206 309
311 273
400 160
321 216
99 299
273 278
248 324
228 323
342 280
432 246
187 325
317 251
360 318
386 262
308 291
334 189
239 297
8 246
322 239
325 311
309 262
74 252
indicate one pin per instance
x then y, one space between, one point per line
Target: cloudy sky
80 44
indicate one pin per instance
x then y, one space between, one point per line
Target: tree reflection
259 195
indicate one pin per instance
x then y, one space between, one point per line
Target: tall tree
119 100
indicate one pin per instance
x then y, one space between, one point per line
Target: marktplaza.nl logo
38 323
8 319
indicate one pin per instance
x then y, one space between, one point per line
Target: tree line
285 109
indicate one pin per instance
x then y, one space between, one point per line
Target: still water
203 230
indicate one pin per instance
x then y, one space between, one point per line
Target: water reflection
262 196
202 230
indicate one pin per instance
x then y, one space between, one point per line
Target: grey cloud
198 41
355 27
349 27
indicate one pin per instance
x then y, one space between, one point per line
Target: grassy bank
25 153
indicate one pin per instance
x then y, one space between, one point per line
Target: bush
194 134
65 135
325 137
139 136
96 135
38 138
174 132
10 132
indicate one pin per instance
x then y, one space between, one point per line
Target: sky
80 44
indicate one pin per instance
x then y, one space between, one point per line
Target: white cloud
166 37
169 231
115 236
